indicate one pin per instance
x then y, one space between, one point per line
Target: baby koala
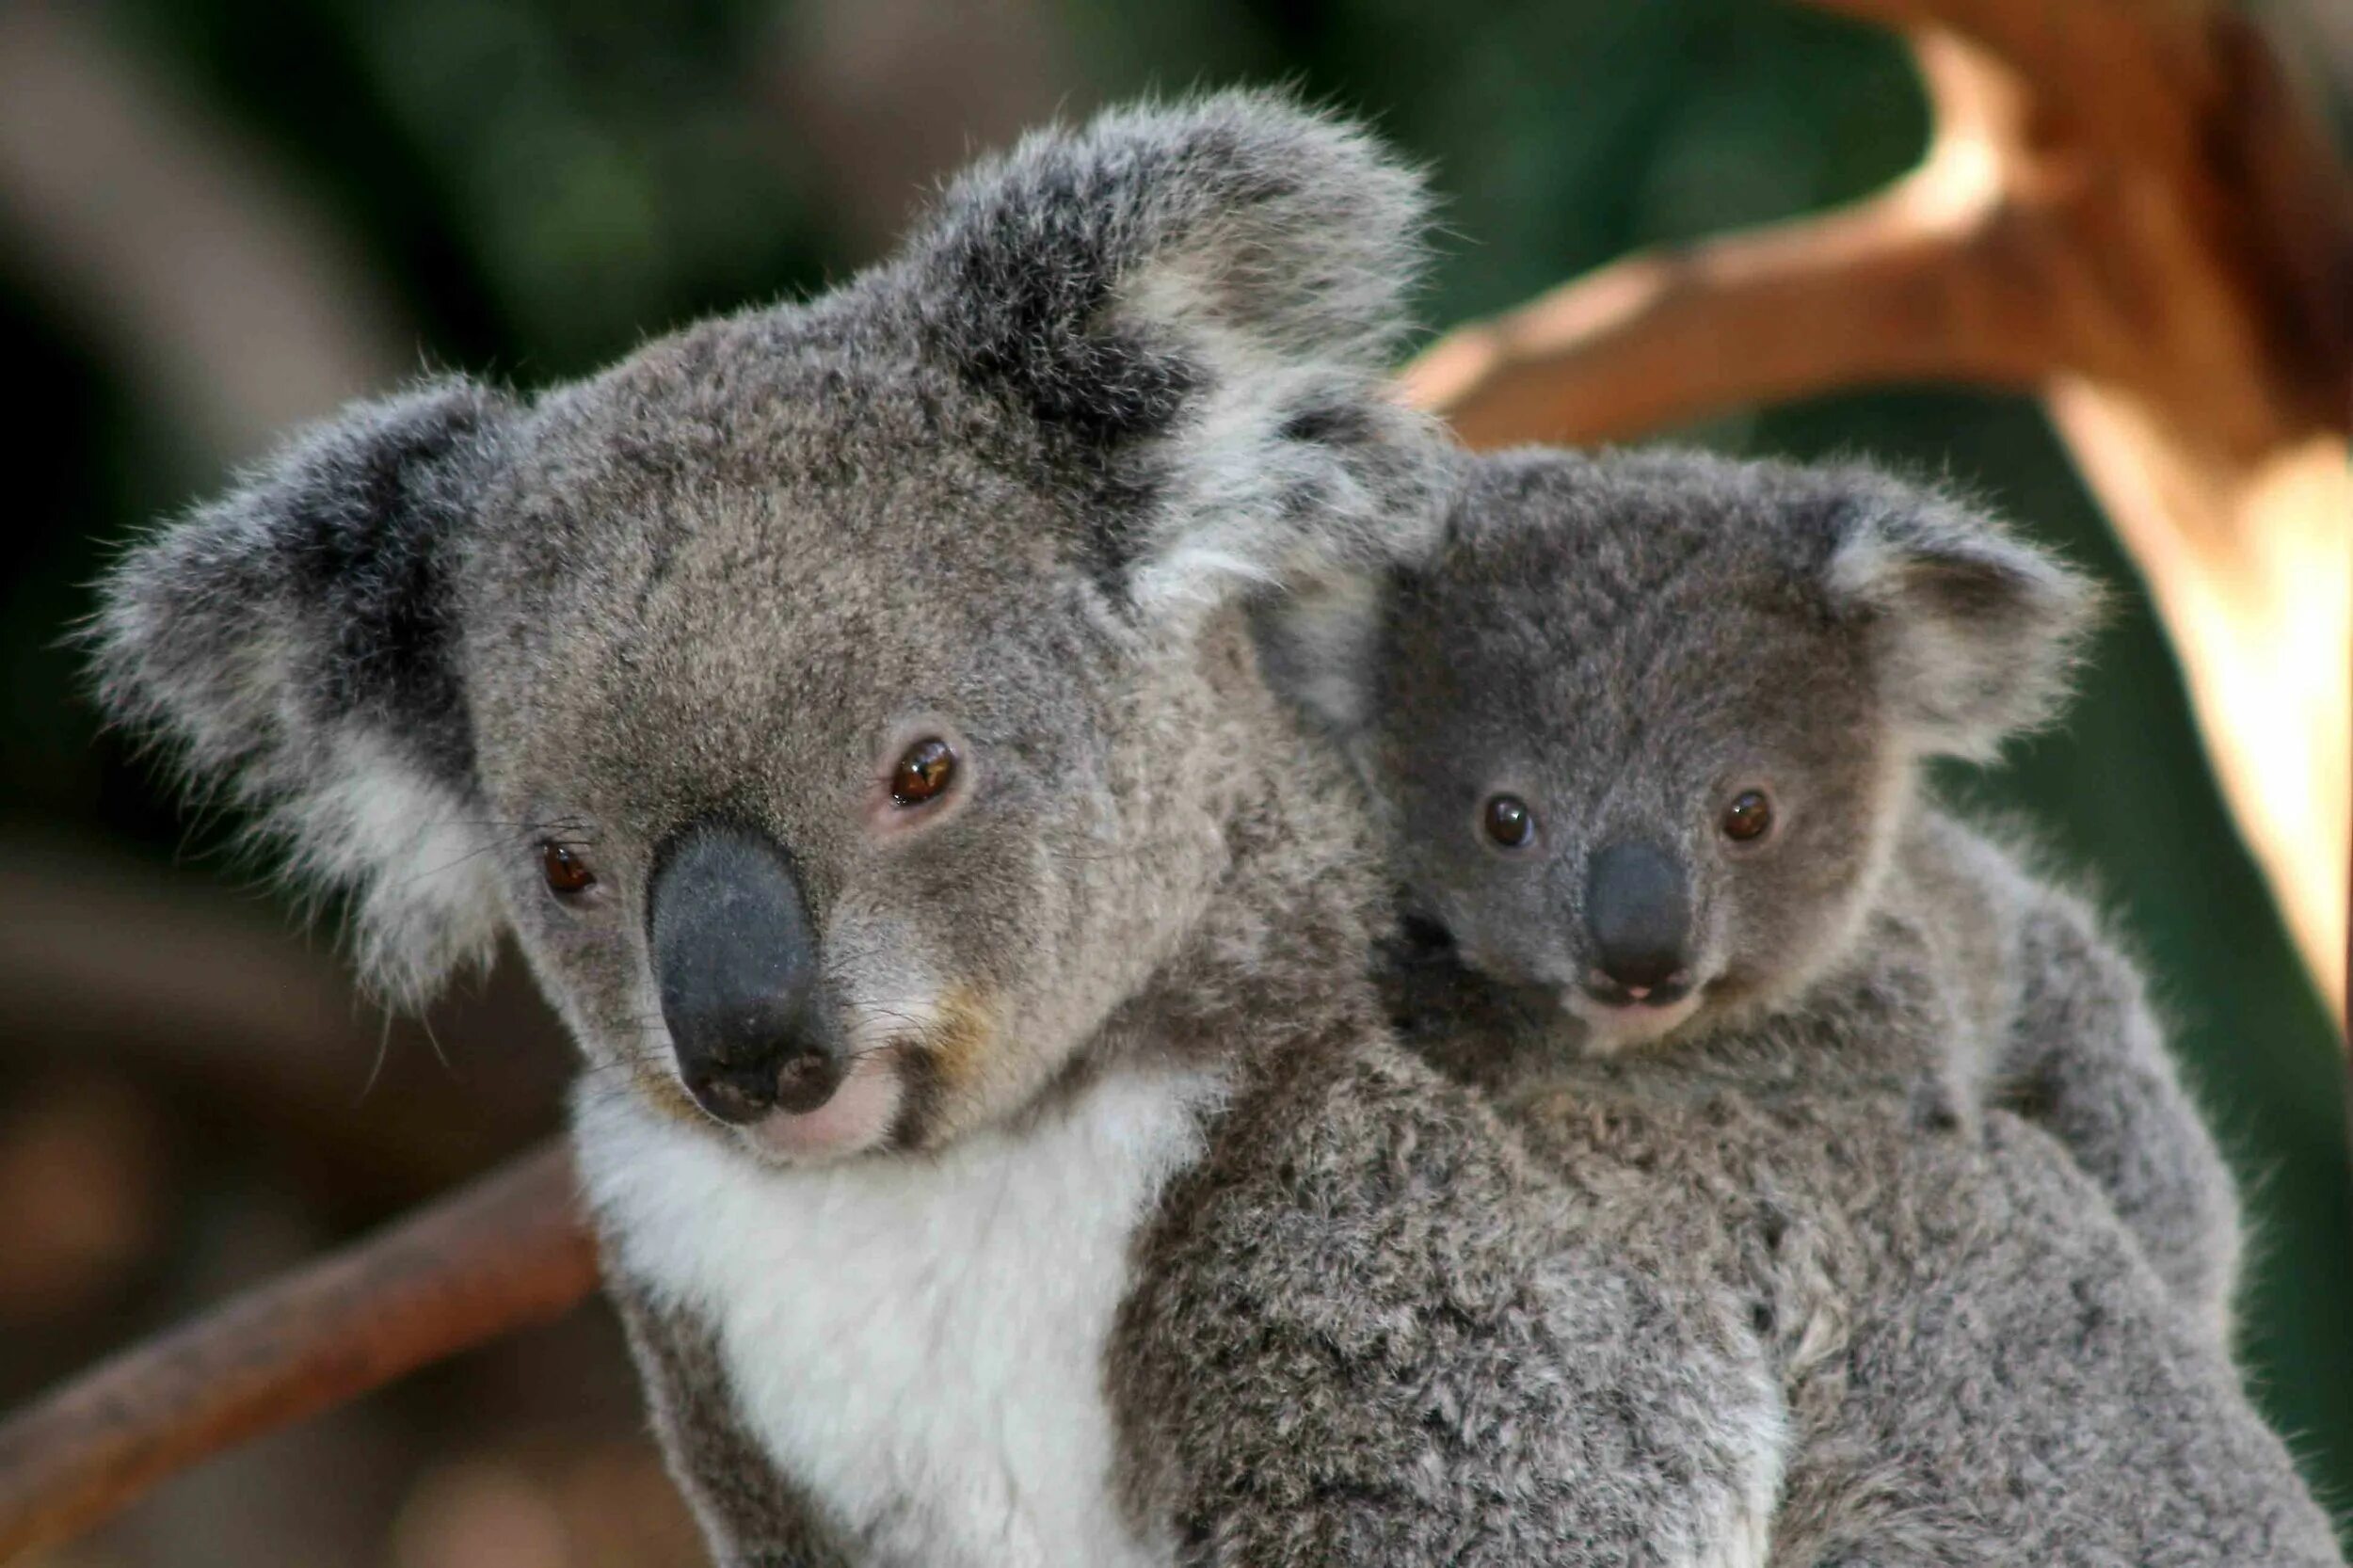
1649 732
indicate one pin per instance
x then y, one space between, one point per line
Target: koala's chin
1613 1026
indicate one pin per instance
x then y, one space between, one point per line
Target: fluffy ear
1320 645
295 646
1978 631
1195 305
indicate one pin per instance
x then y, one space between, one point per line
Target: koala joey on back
851 710
1645 731
1649 729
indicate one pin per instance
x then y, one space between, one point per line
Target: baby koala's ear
295 646
1976 631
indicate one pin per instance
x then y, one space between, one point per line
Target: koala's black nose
736 958
1638 909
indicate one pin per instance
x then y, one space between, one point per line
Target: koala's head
1645 726
844 703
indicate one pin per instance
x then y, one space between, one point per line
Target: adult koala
851 708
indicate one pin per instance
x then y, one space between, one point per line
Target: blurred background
219 216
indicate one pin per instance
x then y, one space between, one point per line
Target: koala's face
829 824
845 705
1647 726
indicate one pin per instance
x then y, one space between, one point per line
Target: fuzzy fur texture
1911 1072
1628 642
291 645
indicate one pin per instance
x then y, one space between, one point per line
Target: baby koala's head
1645 726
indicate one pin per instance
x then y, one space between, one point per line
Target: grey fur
293 644
1625 643
2087 1061
1021 484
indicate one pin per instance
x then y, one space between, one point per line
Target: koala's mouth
802 1057
1606 992
865 1111
910 1063
1617 1015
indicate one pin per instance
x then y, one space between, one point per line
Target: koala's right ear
294 645
1977 631
1196 304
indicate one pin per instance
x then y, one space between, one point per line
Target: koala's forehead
743 530
1580 632
857 432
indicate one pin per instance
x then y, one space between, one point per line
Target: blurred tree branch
2123 211
501 1254
177 246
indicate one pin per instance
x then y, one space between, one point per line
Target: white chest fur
919 1342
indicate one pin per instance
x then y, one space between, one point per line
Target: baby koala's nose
1637 911
736 958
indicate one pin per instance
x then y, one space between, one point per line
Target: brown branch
2122 209
501 1253
1865 295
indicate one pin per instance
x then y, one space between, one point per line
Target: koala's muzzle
1637 911
736 957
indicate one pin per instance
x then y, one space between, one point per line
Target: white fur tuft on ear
291 647
1978 631
416 856
1197 303
1247 504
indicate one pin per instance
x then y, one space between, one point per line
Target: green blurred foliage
541 187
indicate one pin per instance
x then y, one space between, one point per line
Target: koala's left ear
295 646
1194 305
1977 631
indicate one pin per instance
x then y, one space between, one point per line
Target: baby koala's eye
925 770
1509 821
1749 818
565 869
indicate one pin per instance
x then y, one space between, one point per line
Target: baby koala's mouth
1616 1014
1607 992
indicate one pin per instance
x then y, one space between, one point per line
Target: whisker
375 1068
440 1055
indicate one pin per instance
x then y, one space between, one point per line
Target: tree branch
1865 295
501 1253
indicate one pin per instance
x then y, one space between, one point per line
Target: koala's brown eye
1509 821
923 772
1749 817
566 870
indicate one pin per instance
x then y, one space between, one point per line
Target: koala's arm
751 1516
2086 1059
